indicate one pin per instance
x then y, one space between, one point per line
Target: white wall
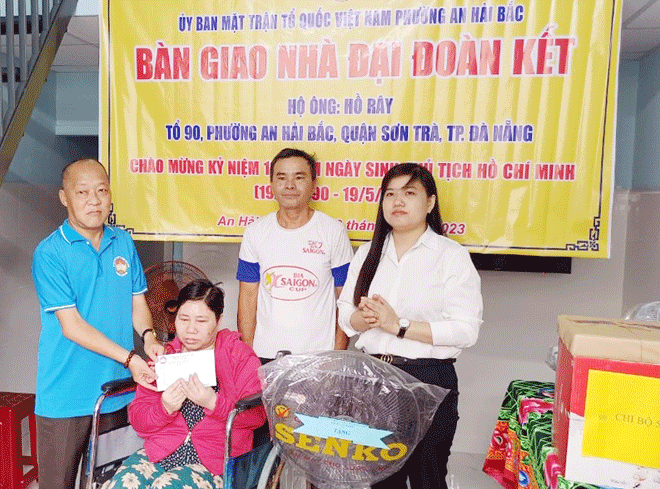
642 277
520 322
87 7
28 213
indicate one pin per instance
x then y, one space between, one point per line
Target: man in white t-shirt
292 266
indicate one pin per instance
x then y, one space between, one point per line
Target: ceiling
640 31
640 34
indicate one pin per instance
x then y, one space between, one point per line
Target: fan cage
336 390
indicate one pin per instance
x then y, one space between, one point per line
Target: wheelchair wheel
277 473
272 469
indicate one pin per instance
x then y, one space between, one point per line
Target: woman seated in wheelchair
184 426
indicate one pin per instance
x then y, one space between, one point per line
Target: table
521 455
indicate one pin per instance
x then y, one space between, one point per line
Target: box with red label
609 345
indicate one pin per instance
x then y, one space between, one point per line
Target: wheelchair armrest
249 402
118 387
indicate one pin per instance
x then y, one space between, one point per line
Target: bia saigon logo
121 266
290 283
315 247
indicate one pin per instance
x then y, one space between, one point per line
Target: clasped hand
143 372
377 313
193 389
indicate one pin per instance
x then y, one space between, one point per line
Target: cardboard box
608 345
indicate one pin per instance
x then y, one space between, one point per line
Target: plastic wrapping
647 311
551 358
345 418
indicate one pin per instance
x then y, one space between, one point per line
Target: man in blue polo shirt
91 286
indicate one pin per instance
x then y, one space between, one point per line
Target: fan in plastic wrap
647 311
345 418
164 281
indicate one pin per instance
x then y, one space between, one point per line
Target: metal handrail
39 24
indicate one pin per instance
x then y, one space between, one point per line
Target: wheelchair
255 469
345 419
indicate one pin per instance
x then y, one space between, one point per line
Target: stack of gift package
606 420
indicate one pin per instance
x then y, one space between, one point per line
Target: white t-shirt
297 270
435 282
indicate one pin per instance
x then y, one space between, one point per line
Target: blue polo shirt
69 272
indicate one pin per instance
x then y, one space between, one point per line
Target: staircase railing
31 32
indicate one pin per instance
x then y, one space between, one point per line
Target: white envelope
175 366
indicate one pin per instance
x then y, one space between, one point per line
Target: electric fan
164 281
345 418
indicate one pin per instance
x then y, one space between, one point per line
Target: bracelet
128 360
146 331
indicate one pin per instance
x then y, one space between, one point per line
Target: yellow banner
622 418
510 104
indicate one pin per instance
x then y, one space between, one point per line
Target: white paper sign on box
175 366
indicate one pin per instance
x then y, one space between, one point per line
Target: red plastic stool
14 408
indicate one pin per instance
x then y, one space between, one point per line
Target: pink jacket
236 368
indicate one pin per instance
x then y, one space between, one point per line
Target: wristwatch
404 324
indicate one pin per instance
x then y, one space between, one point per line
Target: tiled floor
465 472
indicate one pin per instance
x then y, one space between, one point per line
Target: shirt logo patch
290 283
315 247
121 265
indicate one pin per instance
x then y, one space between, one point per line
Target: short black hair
292 153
